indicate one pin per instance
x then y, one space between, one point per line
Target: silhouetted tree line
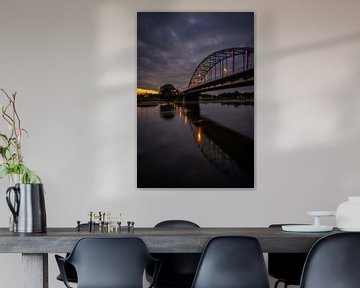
169 92
229 96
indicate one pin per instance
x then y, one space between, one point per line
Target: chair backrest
232 262
333 262
286 267
178 269
110 262
176 224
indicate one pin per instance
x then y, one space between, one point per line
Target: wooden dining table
35 247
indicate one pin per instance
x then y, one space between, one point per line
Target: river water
192 145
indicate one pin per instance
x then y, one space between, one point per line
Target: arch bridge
223 69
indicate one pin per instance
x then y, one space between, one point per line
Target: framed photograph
195 100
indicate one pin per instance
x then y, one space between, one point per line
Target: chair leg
278 282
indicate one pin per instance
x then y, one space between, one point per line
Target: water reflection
192 145
228 151
167 111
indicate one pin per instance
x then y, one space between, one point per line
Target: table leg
35 270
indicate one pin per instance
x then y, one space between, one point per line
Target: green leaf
27 133
4 137
33 178
3 151
3 173
27 175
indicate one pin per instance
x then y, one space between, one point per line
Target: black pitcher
28 207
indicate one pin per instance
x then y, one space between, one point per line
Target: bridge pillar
192 96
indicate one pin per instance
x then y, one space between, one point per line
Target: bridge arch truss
221 64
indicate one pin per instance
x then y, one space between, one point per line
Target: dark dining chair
286 267
232 262
108 263
178 269
70 271
333 262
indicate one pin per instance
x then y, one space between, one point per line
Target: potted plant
11 159
26 198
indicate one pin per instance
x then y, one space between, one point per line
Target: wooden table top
158 240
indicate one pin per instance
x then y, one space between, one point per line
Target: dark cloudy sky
171 45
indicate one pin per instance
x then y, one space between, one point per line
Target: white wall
73 64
